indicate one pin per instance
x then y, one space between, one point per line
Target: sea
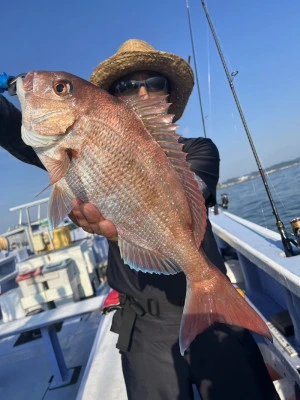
249 199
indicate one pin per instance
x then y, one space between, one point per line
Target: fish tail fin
212 301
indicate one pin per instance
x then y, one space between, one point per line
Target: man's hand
91 220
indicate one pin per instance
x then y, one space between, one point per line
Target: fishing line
209 80
260 203
196 68
277 193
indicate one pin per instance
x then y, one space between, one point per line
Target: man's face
142 83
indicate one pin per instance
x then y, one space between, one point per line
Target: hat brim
174 68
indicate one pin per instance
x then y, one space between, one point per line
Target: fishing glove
4 78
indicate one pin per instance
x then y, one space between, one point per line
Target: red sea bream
125 159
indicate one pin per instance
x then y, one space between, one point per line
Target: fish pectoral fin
59 204
58 168
144 260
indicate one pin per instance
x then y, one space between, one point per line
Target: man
223 362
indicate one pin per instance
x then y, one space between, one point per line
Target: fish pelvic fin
216 301
59 204
144 260
154 114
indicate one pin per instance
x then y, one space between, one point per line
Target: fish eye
62 88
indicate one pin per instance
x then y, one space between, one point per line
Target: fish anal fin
216 301
141 259
59 204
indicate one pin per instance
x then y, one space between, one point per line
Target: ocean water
249 199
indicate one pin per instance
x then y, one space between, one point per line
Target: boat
53 288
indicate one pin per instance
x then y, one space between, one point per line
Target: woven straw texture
137 55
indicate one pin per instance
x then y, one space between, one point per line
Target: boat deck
103 375
25 369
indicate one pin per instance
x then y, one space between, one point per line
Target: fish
124 157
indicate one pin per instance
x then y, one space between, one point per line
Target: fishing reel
295 224
224 204
225 201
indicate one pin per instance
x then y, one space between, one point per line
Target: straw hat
137 55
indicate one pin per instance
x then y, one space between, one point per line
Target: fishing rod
196 68
285 240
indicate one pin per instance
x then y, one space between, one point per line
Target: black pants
223 362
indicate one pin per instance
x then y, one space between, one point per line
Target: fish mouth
20 91
24 85
28 81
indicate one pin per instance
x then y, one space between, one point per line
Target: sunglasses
127 87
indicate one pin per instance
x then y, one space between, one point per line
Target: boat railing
271 281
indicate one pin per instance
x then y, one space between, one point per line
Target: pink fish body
126 160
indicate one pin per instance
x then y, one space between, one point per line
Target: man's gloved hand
4 78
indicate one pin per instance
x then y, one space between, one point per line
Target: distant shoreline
254 175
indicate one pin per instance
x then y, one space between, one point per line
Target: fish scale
125 159
123 192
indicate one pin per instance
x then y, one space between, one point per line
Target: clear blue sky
260 39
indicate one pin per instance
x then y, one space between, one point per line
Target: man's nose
143 92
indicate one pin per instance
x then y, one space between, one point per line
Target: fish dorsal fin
141 259
153 112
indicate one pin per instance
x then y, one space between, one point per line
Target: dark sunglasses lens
127 87
131 86
156 84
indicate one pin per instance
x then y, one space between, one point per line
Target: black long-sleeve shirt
10 134
203 156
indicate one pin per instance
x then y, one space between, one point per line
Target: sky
260 40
